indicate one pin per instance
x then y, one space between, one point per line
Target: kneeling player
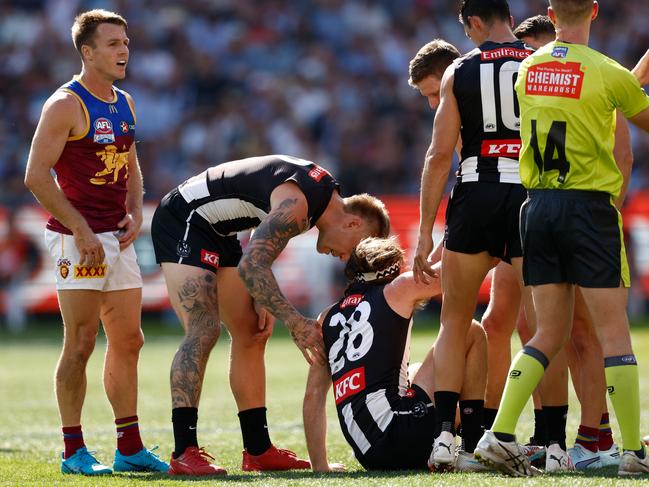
389 424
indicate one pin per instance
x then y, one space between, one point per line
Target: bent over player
388 422
210 279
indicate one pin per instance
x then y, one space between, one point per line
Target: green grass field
30 439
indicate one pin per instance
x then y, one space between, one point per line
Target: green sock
524 374
622 382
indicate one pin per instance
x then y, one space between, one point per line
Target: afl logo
104 131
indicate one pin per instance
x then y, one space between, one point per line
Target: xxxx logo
86 272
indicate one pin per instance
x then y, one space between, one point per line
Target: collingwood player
478 102
210 279
388 421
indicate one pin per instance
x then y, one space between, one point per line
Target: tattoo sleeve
267 242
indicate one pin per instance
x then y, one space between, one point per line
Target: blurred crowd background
215 80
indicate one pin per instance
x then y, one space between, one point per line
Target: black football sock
471 419
254 430
488 417
555 421
184 422
540 430
445 405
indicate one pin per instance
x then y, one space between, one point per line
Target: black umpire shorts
182 236
574 237
408 441
484 216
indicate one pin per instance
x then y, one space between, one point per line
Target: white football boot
557 460
442 458
631 464
582 458
506 456
610 457
466 462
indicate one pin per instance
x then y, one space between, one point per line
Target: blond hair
371 210
571 11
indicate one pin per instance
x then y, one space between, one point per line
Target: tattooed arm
287 218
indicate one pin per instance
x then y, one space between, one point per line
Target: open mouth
122 63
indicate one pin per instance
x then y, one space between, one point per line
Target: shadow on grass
266 476
263 477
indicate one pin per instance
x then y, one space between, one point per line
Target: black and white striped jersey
235 196
489 112
368 348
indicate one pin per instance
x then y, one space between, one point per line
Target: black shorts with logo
574 237
182 236
408 441
484 216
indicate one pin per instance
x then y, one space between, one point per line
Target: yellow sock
622 382
524 374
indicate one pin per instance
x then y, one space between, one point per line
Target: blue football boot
142 461
84 463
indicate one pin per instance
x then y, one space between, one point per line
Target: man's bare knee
79 345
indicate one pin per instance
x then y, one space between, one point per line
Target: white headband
374 276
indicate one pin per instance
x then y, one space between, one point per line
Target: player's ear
511 21
553 17
352 222
595 11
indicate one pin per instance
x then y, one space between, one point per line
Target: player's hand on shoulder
91 251
307 335
129 228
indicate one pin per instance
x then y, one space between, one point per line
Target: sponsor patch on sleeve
349 384
318 173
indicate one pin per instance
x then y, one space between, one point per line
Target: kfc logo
210 258
318 172
349 384
103 131
500 148
351 300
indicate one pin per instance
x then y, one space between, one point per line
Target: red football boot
195 462
273 459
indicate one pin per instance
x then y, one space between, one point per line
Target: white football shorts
119 270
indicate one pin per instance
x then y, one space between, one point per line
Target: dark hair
432 59
86 23
487 10
371 210
375 260
570 11
537 26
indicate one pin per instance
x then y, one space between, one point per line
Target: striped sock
605 433
128 436
588 438
73 440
